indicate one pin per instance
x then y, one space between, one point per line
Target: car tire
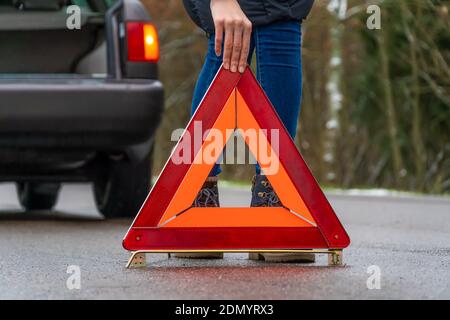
121 192
38 195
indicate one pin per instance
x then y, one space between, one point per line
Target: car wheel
122 191
38 195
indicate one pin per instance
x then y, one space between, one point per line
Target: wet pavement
406 238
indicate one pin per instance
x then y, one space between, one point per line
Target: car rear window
81 3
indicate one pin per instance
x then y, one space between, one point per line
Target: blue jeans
279 71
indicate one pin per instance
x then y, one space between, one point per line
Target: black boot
208 195
263 194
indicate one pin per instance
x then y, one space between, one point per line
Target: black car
78 102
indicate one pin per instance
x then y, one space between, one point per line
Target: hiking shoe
208 197
263 194
302 257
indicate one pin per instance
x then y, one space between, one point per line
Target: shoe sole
283 257
199 255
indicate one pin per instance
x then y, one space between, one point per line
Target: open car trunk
35 40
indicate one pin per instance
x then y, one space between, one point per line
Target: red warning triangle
167 220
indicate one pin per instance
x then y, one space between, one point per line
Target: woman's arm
232 23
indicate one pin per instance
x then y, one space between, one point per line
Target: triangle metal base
335 256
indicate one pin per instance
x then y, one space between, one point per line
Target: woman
272 30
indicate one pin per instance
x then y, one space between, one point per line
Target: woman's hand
230 20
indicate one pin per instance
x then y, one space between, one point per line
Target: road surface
406 238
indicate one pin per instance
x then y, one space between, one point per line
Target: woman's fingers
228 44
233 32
218 36
237 44
246 37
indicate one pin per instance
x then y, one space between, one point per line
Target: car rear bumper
78 112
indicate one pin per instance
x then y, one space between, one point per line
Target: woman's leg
278 54
206 76
279 69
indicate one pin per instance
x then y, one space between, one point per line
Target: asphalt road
407 238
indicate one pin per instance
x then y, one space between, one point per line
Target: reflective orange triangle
167 219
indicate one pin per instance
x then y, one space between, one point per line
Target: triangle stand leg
335 257
137 260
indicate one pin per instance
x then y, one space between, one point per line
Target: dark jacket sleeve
191 9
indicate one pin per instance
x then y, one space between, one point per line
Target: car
79 102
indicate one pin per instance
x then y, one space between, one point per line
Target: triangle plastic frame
167 222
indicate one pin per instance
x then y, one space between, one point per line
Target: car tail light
143 45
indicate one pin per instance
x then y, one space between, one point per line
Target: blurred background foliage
376 103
